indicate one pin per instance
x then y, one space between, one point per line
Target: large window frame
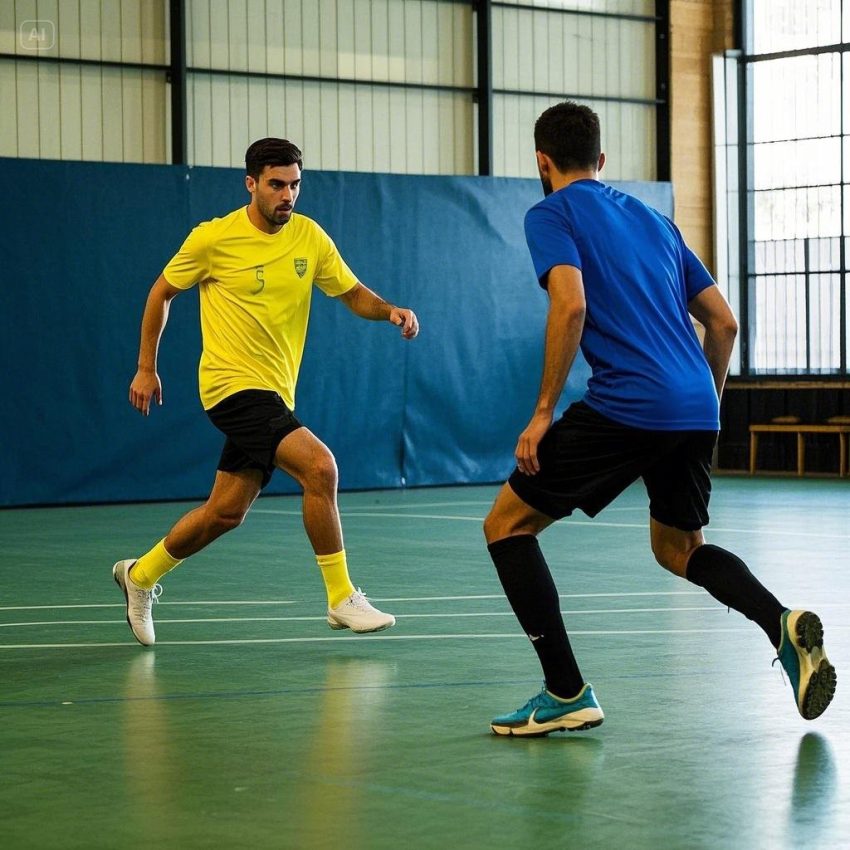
791 288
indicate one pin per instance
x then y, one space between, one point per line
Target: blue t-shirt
649 370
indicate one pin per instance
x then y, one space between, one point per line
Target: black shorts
587 460
254 422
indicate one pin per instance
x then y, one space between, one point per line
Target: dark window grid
747 191
808 277
792 187
798 139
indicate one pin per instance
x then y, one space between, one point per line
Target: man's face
275 192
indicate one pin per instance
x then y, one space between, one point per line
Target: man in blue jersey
622 286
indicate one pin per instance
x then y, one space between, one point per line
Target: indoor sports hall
249 723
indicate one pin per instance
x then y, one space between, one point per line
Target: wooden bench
800 430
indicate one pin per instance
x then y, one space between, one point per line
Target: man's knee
322 476
671 557
222 519
501 524
491 527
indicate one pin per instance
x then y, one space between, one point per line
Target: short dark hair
271 152
568 134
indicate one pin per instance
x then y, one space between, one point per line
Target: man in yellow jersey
256 268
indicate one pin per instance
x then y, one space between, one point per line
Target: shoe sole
119 565
543 729
817 676
337 626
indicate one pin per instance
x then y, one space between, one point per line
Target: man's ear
250 183
544 164
601 163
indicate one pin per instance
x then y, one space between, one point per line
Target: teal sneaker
802 655
545 713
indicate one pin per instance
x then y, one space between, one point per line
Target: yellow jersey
255 291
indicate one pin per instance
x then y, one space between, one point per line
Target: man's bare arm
712 311
564 327
369 305
146 384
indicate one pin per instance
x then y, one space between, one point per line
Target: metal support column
484 90
177 78
662 89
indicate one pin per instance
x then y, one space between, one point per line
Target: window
797 200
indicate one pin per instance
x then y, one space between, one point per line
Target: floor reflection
340 760
815 779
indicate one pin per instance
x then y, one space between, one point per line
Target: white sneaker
139 603
359 615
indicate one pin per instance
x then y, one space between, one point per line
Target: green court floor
252 725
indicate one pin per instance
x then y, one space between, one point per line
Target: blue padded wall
83 242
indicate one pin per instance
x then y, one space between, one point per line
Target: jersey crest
300 266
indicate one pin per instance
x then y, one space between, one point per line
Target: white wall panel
364 138
337 126
70 112
259 110
345 28
220 141
256 37
628 137
90 30
238 128
8 30
413 151
47 108
154 35
112 120
26 91
91 109
310 40
111 42
199 42
645 8
8 96
363 39
328 41
155 131
237 36
575 54
413 41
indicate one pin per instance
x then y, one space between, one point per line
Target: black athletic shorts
587 460
254 422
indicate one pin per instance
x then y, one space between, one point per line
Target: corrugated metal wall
357 126
361 85
84 111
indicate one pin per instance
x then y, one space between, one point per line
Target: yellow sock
152 566
335 574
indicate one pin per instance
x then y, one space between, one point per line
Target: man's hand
144 387
407 320
529 439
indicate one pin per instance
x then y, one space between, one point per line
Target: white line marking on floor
429 616
122 605
382 637
374 598
560 596
578 523
423 505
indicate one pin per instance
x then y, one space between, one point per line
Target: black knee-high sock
726 577
529 587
